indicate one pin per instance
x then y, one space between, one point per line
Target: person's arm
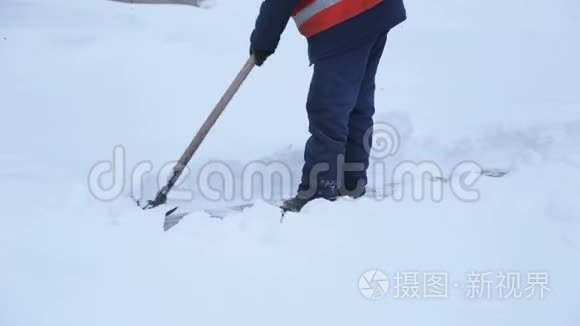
271 22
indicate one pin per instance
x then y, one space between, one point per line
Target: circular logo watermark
382 140
373 284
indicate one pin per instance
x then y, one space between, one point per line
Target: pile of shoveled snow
87 262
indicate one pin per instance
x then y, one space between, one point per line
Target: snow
459 80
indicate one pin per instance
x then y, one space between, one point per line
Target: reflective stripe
316 16
313 9
301 5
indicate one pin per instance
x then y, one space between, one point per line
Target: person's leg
359 141
333 95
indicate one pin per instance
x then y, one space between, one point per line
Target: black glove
260 55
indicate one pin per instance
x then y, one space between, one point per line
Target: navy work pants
340 109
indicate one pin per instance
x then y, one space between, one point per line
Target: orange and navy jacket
329 25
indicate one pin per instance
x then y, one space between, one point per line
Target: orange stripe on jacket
334 15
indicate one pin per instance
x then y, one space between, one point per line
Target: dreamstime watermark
274 179
374 284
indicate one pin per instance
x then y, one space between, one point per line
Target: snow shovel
161 197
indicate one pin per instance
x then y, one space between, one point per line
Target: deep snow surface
495 82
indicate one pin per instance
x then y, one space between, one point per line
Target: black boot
295 204
300 200
353 190
326 189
